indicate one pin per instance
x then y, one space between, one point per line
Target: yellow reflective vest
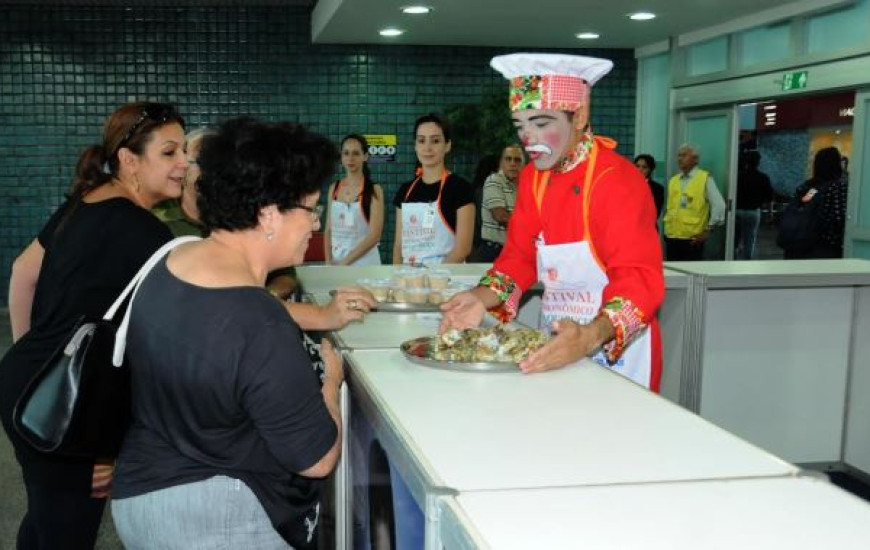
687 212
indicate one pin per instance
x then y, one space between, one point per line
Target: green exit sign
794 81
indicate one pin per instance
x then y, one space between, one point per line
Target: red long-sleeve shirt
622 221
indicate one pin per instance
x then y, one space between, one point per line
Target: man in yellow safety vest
693 208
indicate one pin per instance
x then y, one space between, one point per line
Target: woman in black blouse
435 211
82 259
231 427
829 188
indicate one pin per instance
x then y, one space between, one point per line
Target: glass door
713 132
857 238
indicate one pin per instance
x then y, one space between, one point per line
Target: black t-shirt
91 253
457 193
222 386
753 190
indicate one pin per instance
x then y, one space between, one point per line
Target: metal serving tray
416 350
403 307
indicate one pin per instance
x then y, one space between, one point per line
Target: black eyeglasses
155 112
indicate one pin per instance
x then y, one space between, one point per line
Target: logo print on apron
574 285
430 241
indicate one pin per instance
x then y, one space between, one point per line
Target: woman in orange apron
355 209
583 225
435 211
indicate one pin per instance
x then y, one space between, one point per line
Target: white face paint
546 135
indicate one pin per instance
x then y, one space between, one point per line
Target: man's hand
464 310
572 342
701 237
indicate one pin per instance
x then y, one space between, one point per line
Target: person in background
647 166
231 428
486 166
435 211
693 209
583 226
181 215
91 247
828 187
355 209
499 196
753 192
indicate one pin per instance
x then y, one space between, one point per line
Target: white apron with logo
348 227
426 237
574 285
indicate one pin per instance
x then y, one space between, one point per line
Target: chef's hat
550 81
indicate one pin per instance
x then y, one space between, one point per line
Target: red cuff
628 321
506 290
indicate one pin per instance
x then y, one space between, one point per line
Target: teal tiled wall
63 69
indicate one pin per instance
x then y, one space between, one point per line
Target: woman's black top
457 193
91 254
222 386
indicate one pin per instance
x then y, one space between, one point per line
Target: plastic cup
438 279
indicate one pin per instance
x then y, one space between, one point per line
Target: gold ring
351 304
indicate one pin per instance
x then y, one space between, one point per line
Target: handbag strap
133 286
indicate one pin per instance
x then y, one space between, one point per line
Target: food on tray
417 295
438 279
413 285
410 277
497 344
380 288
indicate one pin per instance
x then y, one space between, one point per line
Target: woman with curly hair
231 427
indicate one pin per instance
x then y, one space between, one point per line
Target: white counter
386 330
793 514
779 273
677 328
572 427
777 344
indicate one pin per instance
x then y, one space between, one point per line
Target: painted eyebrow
538 117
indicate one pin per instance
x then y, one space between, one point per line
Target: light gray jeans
219 513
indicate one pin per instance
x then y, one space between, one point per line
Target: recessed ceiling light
642 16
391 32
587 35
416 10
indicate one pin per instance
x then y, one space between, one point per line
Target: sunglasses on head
154 112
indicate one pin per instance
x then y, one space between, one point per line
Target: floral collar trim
578 154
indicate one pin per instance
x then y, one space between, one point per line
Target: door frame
680 136
858 230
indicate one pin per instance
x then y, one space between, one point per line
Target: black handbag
78 404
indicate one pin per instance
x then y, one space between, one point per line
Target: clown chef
583 225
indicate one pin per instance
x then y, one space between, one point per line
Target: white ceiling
523 23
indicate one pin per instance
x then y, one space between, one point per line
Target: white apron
348 227
574 285
426 237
